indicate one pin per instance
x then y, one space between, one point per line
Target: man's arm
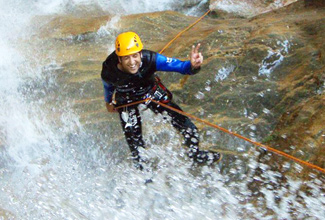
189 67
108 94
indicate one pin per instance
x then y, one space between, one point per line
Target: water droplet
252 127
266 111
245 112
199 95
284 136
261 94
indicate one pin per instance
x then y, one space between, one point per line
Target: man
128 76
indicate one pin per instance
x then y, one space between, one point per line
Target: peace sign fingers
196 57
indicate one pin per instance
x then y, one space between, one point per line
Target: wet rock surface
262 77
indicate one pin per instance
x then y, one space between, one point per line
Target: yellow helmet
127 43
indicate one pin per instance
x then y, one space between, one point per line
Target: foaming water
54 168
193 7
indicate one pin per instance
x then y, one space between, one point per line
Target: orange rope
232 133
133 103
186 29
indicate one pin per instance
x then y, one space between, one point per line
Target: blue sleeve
173 65
108 91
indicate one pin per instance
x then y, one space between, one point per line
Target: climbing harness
159 92
150 99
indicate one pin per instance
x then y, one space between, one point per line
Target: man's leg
183 124
131 125
190 132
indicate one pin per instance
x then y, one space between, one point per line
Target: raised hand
196 57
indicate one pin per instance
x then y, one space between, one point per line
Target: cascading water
58 169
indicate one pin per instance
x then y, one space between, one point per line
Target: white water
59 170
249 8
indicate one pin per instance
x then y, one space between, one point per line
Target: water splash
274 58
224 72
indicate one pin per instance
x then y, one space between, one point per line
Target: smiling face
130 63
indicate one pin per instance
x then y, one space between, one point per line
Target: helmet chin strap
141 58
